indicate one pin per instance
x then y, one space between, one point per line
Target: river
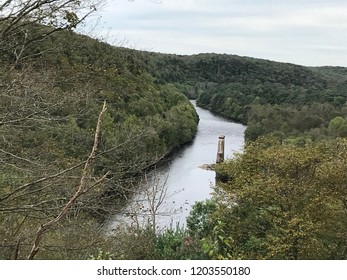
182 182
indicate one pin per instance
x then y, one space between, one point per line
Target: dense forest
293 98
58 143
81 122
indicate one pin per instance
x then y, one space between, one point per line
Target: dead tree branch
82 188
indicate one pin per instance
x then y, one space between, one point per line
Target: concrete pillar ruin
220 150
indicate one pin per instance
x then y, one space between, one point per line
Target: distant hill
228 84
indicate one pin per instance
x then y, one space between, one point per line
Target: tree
26 203
24 23
338 127
82 188
253 131
148 203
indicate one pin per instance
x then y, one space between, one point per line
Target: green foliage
201 220
282 202
229 84
338 127
131 243
49 107
218 244
178 245
311 122
253 131
102 256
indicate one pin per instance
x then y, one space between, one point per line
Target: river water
182 182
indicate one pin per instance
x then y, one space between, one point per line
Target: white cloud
311 32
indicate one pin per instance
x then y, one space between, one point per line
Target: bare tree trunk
79 191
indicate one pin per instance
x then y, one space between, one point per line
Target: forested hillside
269 96
57 142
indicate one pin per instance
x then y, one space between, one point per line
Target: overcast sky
306 32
